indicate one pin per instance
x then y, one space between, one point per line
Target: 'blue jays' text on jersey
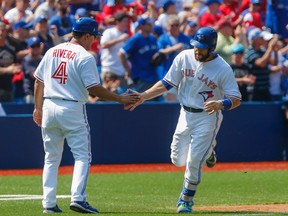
139 50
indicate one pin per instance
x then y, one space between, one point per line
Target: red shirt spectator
211 16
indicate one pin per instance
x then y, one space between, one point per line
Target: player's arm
38 102
156 90
104 94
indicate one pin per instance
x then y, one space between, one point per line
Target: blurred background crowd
252 38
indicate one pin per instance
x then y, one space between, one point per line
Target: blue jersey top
64 24
166 40
277 16
139 50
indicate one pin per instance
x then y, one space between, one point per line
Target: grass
152 193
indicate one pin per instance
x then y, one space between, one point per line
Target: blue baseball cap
254 33
22 24
33 41
237 48
168 4
81 12
143 21
40 19
158 29
86 25
192 23
209 2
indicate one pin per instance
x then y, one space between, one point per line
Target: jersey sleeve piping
91 85
38 78
233 96
170 83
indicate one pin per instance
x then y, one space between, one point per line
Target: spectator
244 79
112 40
8 67
81 12
172 42
251 16
114 7
211 16
190 29
5 6
169 8
17 41
225 39
46 9
29 65
277 16
63 21
42 32
138 50
258 61
230 9
21 11
276 67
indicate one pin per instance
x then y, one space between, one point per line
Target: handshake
131 99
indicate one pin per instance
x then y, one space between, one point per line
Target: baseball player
206 86
64 77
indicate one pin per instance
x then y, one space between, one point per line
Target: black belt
193 110
61 99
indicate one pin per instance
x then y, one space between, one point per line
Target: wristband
227 103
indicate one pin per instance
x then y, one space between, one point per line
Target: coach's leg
78 139
53 147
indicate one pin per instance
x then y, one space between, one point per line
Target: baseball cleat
211 161
55 209
83 207
184 207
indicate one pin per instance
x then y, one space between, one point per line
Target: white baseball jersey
68 70
109 56
198 82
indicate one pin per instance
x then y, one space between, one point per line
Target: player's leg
53 141
204 131
181 141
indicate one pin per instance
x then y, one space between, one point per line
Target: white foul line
7 197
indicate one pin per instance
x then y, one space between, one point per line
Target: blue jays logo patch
200 37
206 95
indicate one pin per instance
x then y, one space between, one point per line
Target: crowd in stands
252 38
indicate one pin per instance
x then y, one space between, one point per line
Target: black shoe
211 161
83 207
55 209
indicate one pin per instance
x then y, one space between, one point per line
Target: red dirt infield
122 168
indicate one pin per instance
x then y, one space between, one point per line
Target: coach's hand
37 117
132 106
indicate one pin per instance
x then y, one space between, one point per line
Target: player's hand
37 117
213 106
129 98
132 106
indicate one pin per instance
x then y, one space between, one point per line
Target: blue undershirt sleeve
166 84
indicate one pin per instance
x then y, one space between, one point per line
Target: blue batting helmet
86 25
205 38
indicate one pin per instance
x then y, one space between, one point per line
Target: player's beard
202 58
